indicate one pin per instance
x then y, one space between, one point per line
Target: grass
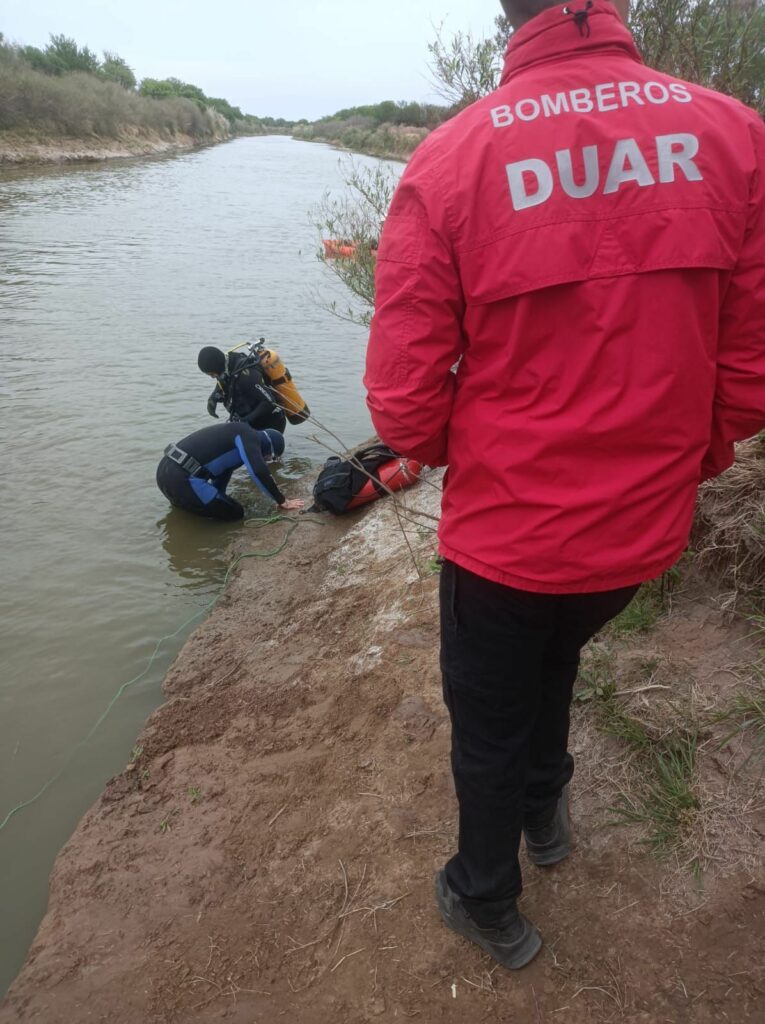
729 529
650 602
663 799
746 715
433 565
597 675
640 615
745 712
616 722
167 822
757 621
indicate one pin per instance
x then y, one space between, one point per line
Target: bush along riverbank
387 130
269 850
386 142
63 103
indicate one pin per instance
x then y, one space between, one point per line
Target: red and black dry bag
344 485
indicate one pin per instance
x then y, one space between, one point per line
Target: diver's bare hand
291 505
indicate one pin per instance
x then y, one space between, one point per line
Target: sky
283 58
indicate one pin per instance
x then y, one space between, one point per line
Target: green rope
257 523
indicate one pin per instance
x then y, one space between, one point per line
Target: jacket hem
585 585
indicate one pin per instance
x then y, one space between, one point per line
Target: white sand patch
381 542
365 660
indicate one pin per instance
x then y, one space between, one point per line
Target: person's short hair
524 10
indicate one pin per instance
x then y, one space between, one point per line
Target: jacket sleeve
739 406
416 335
248 446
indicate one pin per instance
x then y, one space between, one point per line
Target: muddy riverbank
20 149
269 852
116 273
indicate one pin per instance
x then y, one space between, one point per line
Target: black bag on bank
340 480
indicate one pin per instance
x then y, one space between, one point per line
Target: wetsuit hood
271 443
211 360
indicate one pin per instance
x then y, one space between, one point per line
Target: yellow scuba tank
280 379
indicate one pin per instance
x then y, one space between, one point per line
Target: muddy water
111 277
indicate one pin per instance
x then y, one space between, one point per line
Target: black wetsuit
219 450
245 394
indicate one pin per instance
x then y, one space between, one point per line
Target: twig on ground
280 811
640 689
344 958
627 907
595 988
345 883
536 1003
305 945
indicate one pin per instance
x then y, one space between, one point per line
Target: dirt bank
22 149
270 854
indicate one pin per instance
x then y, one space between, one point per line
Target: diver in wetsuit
242 388
193 474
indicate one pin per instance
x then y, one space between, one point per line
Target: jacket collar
555 34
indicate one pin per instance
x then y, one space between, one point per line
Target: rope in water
256 523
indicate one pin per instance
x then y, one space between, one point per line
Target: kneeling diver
242 388
193 474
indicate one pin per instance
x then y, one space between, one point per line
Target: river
111 278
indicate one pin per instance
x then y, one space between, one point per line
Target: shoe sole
549 857
526 953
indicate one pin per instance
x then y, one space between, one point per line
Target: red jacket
589 242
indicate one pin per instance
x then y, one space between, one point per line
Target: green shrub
82 105
64 91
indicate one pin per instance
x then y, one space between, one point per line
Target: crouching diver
193 474
242 388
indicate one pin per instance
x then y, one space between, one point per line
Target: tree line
715 43
387 129
64 56
65 88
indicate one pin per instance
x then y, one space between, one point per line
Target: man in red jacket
589 243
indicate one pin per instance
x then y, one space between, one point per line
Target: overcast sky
286 58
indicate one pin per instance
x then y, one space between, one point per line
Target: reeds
729 531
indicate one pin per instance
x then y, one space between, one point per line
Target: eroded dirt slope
271 853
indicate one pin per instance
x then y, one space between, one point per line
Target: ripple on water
112 277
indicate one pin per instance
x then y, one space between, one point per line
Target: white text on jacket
603 97
532 181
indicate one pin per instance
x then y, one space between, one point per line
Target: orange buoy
394 475
339 249
336 248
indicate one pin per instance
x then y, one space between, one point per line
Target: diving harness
279 378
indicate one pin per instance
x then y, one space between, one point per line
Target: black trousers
509 659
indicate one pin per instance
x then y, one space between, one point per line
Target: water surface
111 278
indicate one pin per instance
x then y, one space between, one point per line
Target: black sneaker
551 843
513 945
